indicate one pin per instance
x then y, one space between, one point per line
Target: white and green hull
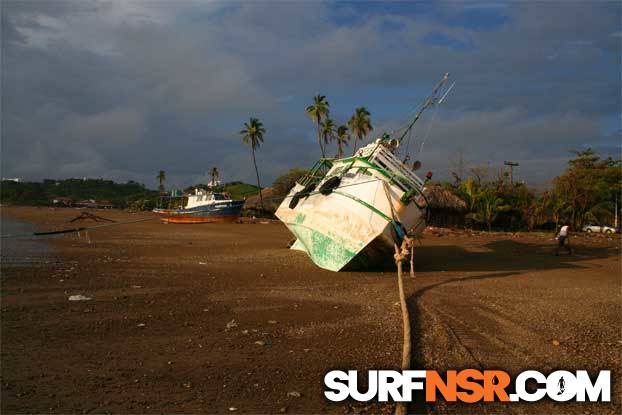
353 227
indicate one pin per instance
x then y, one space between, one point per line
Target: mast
430 100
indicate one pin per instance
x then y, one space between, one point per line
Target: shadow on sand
503 255
499 259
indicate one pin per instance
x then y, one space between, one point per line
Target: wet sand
203 318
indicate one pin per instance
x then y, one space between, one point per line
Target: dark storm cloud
123 89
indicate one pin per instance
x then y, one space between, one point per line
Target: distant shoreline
21 251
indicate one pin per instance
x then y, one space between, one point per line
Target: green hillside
41 193
239 190
122 195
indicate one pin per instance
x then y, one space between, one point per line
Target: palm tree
343 136
215 174
317 112
360 125
253 134
328 131
490 205
469 190
161 177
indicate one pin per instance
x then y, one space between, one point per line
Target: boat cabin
202 197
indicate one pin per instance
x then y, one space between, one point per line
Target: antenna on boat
430 100
440 101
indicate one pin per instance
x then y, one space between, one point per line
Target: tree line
122 195
587 191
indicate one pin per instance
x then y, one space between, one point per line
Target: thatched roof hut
271 200
447 209
440 198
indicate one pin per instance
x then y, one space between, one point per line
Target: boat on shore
349 213
204 207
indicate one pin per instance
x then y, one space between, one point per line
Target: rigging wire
430 101
433 100
407 149
429 128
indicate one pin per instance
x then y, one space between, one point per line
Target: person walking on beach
562 239
561 384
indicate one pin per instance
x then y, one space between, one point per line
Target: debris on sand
260 343
555 343
293 394
89 216
79 297
232 409
230 325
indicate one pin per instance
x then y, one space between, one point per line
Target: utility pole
511 164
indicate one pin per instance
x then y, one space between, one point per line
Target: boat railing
403 176
317 172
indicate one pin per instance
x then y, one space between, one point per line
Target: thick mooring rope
401 254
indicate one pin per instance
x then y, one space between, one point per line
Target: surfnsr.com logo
469 386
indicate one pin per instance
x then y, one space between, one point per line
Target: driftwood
89 216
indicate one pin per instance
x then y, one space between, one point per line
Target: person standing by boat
562 239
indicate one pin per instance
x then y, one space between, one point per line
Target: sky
123 89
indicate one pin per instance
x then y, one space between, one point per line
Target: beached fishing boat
348 213
204 207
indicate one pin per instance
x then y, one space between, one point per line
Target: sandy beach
205 318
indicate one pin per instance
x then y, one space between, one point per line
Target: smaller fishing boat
204 207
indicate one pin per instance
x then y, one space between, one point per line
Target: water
22 251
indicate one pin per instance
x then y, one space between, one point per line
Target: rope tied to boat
405 251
